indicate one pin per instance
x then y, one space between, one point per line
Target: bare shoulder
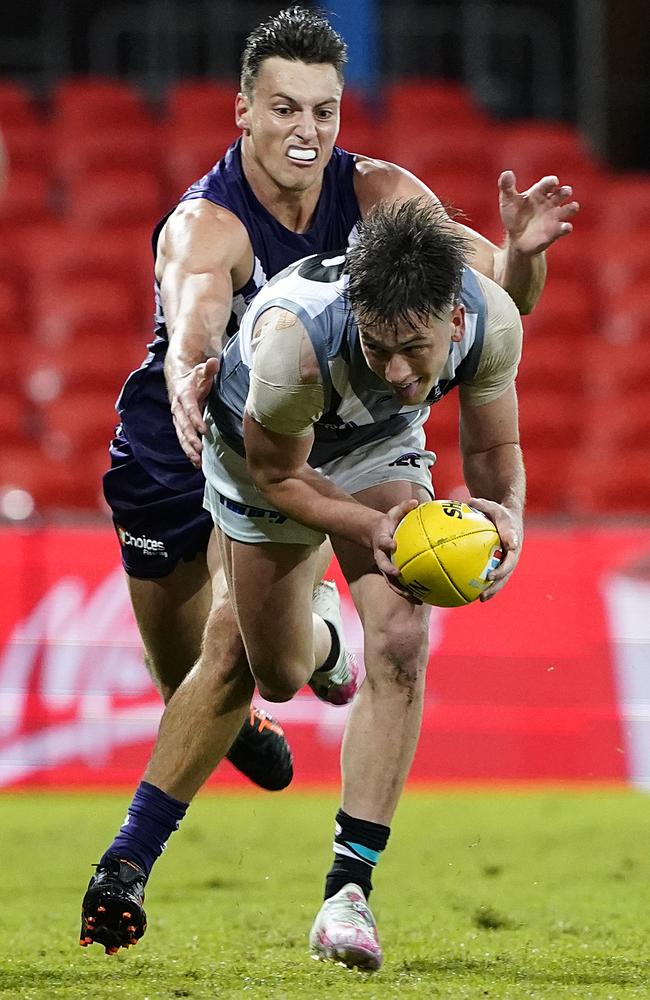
204 234
380 180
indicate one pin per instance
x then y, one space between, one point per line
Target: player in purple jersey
213 250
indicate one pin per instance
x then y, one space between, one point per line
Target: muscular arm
203 251
494 473
278 466
284 401
533 220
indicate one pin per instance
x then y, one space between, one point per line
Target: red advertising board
545 682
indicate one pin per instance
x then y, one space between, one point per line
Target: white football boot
345 931
337 686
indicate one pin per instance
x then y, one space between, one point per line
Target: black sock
335 649
357 846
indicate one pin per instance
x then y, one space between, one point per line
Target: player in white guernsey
208 251
328 382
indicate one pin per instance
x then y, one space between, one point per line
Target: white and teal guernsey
359 406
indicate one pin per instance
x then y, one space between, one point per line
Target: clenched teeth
302 154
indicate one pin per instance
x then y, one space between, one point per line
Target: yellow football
445 550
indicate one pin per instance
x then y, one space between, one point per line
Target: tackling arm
532 219
199 254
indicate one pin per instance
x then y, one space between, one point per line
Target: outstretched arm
198 252
532 220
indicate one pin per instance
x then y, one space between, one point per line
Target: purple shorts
156 526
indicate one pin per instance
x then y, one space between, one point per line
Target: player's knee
403 654
281 681
277 691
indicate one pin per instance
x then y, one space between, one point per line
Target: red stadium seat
549 418
60 252
430 103
471 192
553 360
17 105
66 255
564 291
188 153
79 420
356 109
623 262
96 359
12 337
101 101
445 148
12 303
115 197
27 197
566 306
534 148
573 256
628 318
28 146
626 209
441 428
54 483
447 475
618 421
547 474
203 104
13 418
608 370
613 482
364 137
81 154
81 304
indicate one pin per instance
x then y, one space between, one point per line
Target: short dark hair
407 264
296 33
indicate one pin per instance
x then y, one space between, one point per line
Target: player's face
291 123
412 358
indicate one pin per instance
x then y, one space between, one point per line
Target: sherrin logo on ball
445 550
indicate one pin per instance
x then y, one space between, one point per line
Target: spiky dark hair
407 264
296 33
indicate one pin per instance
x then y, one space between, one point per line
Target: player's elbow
264 478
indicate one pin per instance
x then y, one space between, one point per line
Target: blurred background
108 111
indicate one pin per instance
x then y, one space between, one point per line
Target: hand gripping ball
445 551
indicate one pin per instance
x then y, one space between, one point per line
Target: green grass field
480 894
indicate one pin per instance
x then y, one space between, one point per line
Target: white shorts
244 514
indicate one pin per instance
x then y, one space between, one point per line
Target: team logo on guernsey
148 546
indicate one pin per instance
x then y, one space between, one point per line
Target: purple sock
152 817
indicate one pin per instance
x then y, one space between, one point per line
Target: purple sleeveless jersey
143 405
155 493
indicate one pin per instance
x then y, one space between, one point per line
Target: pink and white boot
345 931
338 685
